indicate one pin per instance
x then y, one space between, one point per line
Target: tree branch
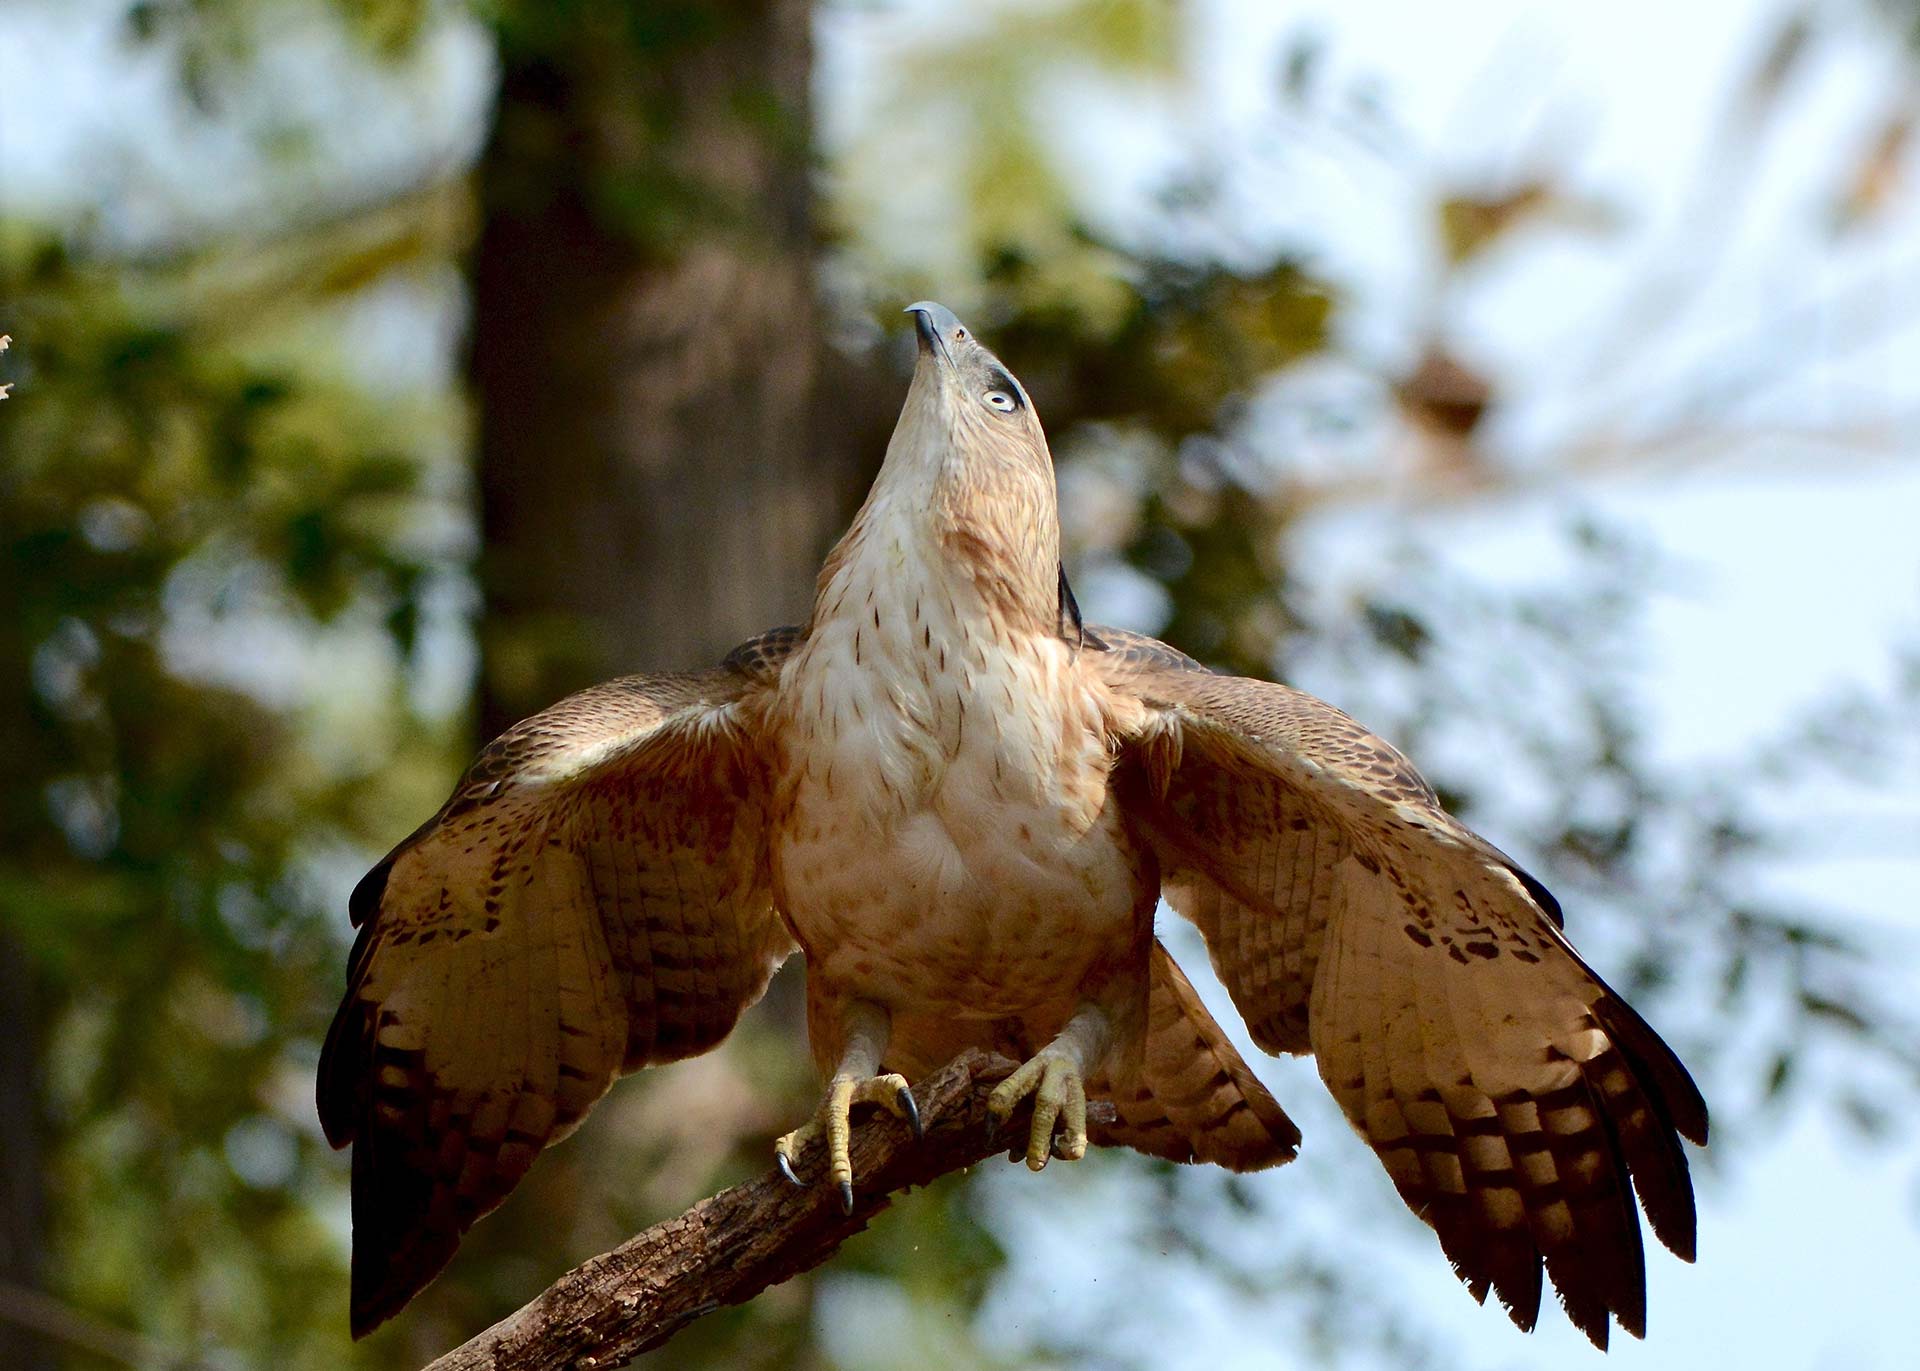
727 1249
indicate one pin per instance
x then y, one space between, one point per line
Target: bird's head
964 406
967 470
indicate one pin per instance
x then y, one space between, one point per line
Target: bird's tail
1191 1098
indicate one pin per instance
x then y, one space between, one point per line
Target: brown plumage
1194 1099
962 804
592 899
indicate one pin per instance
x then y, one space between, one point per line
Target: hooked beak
939 330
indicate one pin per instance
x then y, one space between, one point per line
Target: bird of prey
963 805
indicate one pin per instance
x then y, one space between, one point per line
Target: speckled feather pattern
963 804
1517 1103
1194 1098
592 898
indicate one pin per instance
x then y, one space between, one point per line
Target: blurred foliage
960 118
601 105
165 827
227 550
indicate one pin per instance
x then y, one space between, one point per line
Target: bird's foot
1054 1078
834 1124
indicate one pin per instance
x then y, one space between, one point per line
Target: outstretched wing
1515 1100
593 898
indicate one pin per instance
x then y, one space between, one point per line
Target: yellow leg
1056 1077
853 1082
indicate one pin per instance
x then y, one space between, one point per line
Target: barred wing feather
1517 1103
592 899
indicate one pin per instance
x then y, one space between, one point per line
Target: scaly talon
1054 1081
833 1122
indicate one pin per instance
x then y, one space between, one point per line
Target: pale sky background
1802 566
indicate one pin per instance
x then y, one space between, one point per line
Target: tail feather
1192 1098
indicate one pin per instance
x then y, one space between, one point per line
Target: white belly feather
945 829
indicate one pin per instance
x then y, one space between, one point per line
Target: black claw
993 1125
913 1114
786 1169
846 1197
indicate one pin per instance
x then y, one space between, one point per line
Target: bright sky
1802 567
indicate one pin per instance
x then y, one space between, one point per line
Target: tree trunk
23 1200
24 1002
645 346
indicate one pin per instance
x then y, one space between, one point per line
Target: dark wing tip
384 1283
1505 1262
337 1087
368 891
1587 1314
1592 1254
371 1302
1670 1084
1603 1272
408 1218
1538 893
347 1051
1645 1132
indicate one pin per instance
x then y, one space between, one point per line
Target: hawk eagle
963 805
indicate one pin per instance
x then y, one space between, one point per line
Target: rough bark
23 1198
729 1248
646 345
24 1007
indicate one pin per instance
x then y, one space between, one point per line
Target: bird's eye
1000 400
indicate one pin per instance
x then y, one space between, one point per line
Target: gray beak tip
936 324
